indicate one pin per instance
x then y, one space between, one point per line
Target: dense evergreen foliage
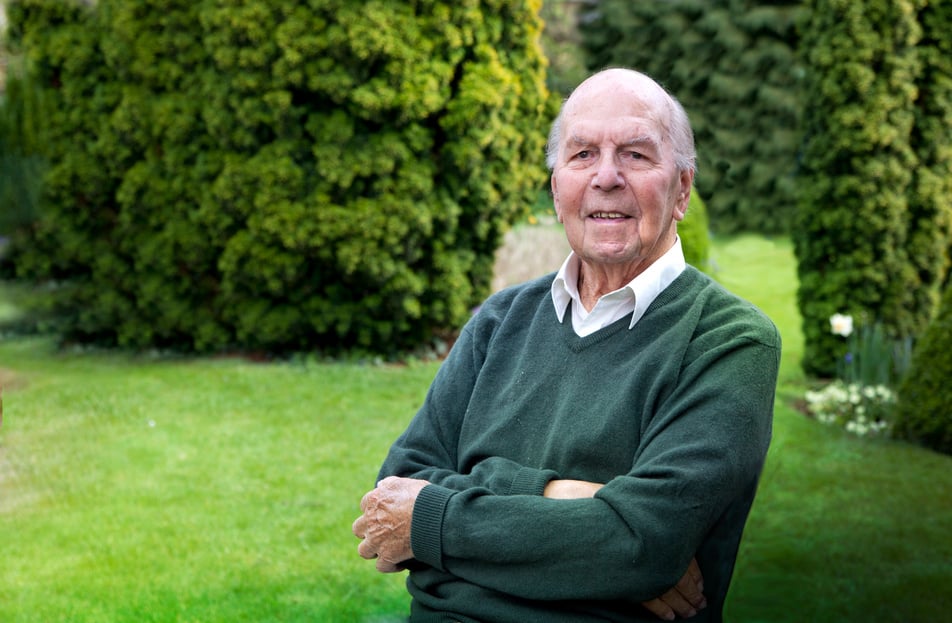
20 165
732 64
930 197
923 413
561 42
278 176
694 232
925 394
872 224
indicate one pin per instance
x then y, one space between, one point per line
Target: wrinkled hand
684 600
384 525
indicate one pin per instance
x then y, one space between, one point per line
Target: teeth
608 215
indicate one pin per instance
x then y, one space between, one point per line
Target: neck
595 281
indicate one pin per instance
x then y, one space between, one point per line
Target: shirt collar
645 287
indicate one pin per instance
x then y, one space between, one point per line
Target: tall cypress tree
20 165
851 229
930 199
563 50
732 64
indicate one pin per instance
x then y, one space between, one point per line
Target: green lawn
843 529
162 489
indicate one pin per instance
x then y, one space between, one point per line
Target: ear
555 197
686 180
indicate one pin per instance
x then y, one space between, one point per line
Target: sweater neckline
578 344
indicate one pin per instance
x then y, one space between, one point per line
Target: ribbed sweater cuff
529 481
426 531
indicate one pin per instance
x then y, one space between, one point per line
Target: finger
695 571
687 590
365 502
385 566
690 586
676 602
367 550
659 609
388 481
358 527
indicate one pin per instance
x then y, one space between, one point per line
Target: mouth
610 216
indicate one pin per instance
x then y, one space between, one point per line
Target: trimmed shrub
732 63
279 176
923 413
20 166
850 233
695 235
930 195
561 42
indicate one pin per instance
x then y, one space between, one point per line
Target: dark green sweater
674 415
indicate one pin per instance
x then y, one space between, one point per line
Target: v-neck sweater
673 414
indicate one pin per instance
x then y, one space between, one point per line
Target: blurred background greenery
235 239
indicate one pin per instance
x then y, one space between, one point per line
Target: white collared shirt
634 298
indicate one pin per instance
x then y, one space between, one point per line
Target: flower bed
863 410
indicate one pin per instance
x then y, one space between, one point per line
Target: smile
609 215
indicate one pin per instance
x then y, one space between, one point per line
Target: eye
583 155
636 155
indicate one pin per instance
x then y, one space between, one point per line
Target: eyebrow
644 139
575 139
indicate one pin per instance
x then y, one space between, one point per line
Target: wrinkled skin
385 525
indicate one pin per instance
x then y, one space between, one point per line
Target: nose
608 175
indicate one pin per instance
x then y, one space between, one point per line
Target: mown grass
164 489
184 490
843 529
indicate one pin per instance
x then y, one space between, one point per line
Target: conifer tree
20 166
930 201
922 410
561 42
851 232
732 64
278 176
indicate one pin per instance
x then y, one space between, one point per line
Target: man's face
615 183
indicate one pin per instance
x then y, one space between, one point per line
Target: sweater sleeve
428 447
700 457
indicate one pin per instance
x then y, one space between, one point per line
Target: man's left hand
385 523
684 600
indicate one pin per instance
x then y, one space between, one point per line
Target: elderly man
590 449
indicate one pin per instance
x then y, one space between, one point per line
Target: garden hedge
20 165
923 412
872 224
694 232
278 176
930 194
732 63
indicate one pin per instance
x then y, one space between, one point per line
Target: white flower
855 407
841 324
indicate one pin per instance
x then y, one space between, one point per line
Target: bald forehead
620 85
621 78
624 97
